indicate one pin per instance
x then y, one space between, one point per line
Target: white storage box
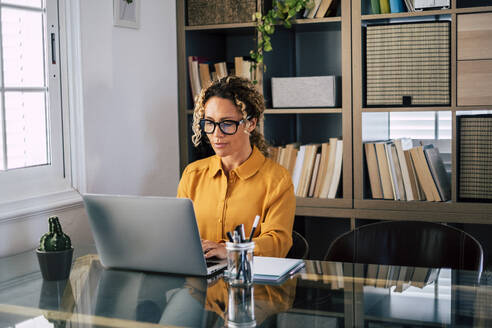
312 91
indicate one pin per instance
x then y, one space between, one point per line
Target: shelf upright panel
347 115
357 100
182 110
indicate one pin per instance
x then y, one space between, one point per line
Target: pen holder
241 307
240 263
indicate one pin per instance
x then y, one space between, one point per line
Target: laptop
157 234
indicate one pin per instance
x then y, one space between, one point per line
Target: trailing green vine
281 13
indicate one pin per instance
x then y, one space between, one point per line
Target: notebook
158 234
274 269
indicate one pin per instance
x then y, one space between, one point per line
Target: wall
130 115
130 100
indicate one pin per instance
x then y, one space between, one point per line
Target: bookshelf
335 46
433 211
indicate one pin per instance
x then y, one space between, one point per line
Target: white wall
21 234
130 114
130 100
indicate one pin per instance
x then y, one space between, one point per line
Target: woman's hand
211 249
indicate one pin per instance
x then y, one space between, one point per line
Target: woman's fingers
213 249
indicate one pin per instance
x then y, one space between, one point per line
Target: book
371 275
315 175
402 283
382 276
296 174
325 149
391 166
373 170
409 5
221 70
375 7
291 156
384 6
398 173
325 188
384 171
424 175
401 145
415 188
396 6
194 76
307 170
438 171
312 12
271 269
337 171
205 78
323 8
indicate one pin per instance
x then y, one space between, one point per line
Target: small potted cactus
55 252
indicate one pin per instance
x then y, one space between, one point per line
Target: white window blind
420 125
31 135
24 91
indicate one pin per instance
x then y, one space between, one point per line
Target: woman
238 182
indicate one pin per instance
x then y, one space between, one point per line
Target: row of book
387 276
202 72
320 8
375 275
315 168
391 6
399 171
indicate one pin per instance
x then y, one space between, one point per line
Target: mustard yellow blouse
258 186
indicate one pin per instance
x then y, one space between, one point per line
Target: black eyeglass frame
236 123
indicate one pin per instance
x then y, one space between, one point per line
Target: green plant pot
55 265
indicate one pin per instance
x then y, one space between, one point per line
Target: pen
255 224
240 231
229 236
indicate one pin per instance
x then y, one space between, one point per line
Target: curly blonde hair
247 100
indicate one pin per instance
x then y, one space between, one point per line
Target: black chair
300 247
408 243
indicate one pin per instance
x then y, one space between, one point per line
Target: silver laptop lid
146 233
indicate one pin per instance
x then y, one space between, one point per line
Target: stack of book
391 6
375 275
202 72
402 277
399 171
320 8
331 273
315 168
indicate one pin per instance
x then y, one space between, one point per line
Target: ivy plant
282 12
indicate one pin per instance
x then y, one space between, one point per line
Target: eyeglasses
228 127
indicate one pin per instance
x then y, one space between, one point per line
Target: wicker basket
408 64
211 12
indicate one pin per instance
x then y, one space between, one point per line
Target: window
420 125
32 152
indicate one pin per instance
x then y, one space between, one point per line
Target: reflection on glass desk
323 294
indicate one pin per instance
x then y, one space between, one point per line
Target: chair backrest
408 243
300 247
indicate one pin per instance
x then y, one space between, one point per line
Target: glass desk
324 294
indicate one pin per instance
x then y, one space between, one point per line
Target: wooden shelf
406 109
438 12
324 202
302 110
317 20
220 26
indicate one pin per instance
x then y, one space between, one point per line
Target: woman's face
219 109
